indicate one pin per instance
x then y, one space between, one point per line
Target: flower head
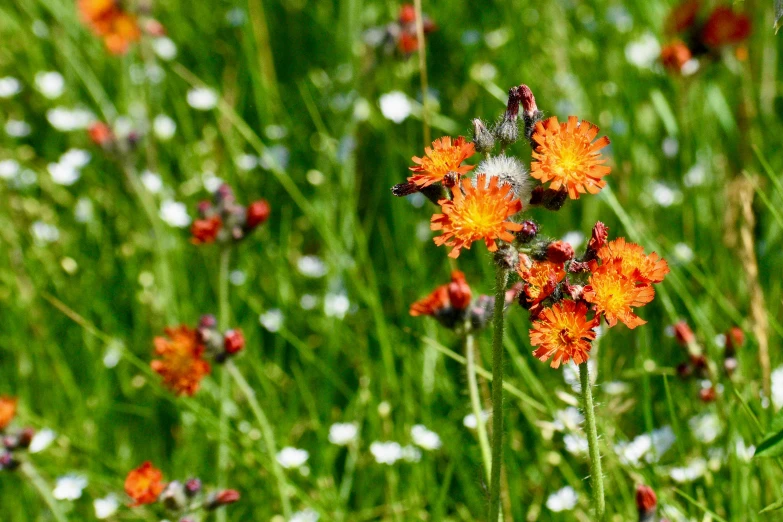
144 484
7 411
634 262
445 156
108 20
725 27
675 55
476 212
567 156
181 365
563 332
615 295
454 295
204 231
541 277
682 17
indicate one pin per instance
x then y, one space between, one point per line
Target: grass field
92 269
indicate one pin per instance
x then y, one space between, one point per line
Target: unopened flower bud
222 498
225 194
555 199
527 100
450 179
646 503
512 107
578 267
7 461
506 258
101 134
597 240
683 333
559 252
207 321
537 196
707 394
205 231
407 14
483 140
26 437
459 291
574 291
193 487
528 232
173 497
233 341
257 213
735 338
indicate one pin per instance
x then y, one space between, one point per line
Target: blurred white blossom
202 98
395 106
165 48
17 128
694 470
106 506
306 515
9 169
272 319
42 440
343 433
174 213
386 452
68 120
425 438
69 487
51 84
643 52
562 500
470 420
311 266
151 181
164 127
291 458
705 427
9 86
336 305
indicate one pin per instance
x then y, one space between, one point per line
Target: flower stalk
475 401
44 490
497 393
596 475
225 385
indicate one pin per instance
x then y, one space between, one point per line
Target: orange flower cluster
107 19
567 156
695 37
144 484
444 157
619 278
181 365
7 411
476 212
454 295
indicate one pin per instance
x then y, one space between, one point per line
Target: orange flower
567 155
7 411
204 231
725 27
442 158
675 55
647 268
541 277
614 294
563 332
682 17
144 484
93 10
181 365
106 18
476 212
454 295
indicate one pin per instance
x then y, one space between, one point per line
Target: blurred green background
82 266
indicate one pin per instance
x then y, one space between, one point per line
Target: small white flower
336 305
683 253
311 266
9 87
470 420
165 48
643 52
76 158
777 387
696 176
151 181
690 67
562 500
272 319
706 427
571 373
9 169
631 453
306 515
395 106
174 213
615 388
42 440
670 146
69 487
164 127
69 120
695 469
17 128
106 506
292 458
83 211
202 98
246 162
743 452
63 174
568 419
211 182
386 452
664 195
44 233
575 444
411 454
662 439
50 84
237 277
308 301
343 433
425 438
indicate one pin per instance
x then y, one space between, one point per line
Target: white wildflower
291 458
311 266
272 320
151 181
106 506
51 84
42 440
694 470
643 52
306 515
425 438
9 86
17 128
562 500
165 48
470 420
69 487
343 433
386 452
9 169
395 106
164 127
174 213
705 427
202 98
336 305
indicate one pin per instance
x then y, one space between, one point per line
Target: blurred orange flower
567 156
614 295
682 17
7 411
455 294
181 365
725 27
144 484
445 156
646 268
108 20
475 213
205 231
675 55
563 333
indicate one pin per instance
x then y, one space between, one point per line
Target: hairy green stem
267 434
596 475
29 471
225 383
497 393
475 401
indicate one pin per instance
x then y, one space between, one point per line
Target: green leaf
778 15
772 445
778 504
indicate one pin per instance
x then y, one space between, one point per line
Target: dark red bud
683 333
233 341
257 213
559 252
459 291
527 99
646 501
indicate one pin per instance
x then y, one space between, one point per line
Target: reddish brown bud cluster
219 345
224 220
11 441
646 503
597 240
559 252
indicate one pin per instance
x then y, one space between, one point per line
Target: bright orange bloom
567 155
108 20
615 295
476 212
181 365
541 277
646 268
92 10
204 231
144 484
455 294
445 156
675 55
725 27
7 411
563 332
